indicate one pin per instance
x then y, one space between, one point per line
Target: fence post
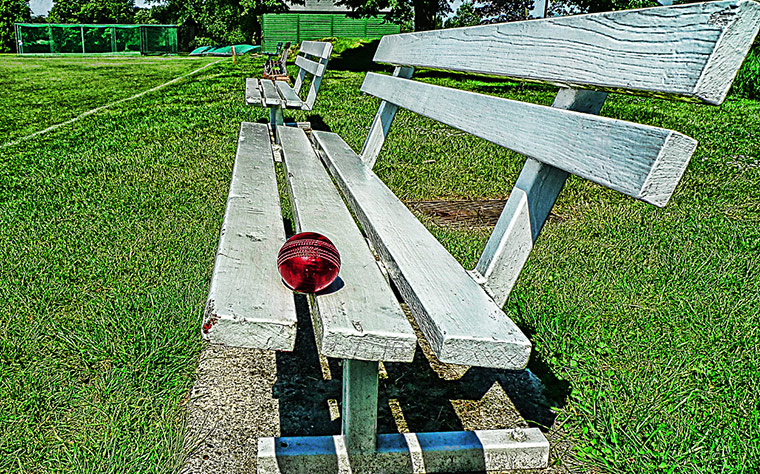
81 31
19 43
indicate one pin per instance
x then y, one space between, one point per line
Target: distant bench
278 95
691 52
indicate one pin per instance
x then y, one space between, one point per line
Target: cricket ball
308 262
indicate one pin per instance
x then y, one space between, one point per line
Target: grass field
108 228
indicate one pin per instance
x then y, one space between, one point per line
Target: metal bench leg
360 379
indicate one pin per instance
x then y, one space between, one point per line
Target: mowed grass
39 92
108 228
107 234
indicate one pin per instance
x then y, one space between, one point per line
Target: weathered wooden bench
275 67
278 95
691 52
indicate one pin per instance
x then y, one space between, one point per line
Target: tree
209 22
466 15
426 14
93 11
12 11
499 11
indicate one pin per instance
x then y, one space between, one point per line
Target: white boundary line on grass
98 109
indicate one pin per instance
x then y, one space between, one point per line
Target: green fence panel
297 27
66 40
95 39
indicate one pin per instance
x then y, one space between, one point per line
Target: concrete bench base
455 451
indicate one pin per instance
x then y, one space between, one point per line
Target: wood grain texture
319 49
248 306
691 51
310 66
363 319
461 323
269 91
639 160
289 97
381 124
253 93
527 209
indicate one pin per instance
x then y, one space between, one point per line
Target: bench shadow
423 397
318 123
358 59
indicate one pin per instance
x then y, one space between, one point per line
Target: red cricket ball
308 262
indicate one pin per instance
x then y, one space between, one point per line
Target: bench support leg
527 209
360 380
276 119
360 450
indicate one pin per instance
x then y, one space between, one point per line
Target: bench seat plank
642 161
362 320
289 96
248 306
462 324
690 51
271 96
252 92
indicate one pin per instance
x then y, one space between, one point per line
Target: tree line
209 22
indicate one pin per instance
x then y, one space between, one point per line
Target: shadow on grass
422 395
318 123
358 59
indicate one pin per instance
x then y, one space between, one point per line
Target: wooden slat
319 49
691 50
252 92
288 95
462 324
639 160
310 66
527 209
271 96
362 320
248 306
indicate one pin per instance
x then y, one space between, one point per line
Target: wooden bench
278 95
691 52
275 67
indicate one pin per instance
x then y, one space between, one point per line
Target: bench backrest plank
692 51
314 61
310 66
639 160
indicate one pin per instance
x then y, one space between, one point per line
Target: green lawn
108 228
46 91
